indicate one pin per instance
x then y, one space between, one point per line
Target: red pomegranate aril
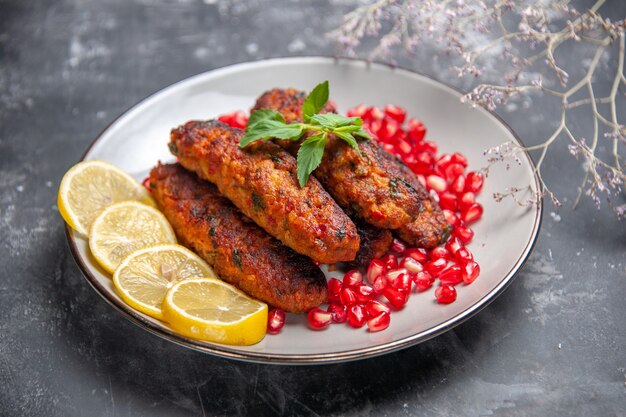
376 126
474 182
394 273
389 148
374 308
357 111
445 294
464 233
347 296
451 275
374 270
459 158
463 256
419 254
411 265
275 320
430 147
444 160
453 245
451 218
421 179
453 171
338 312
401 282
436 266
417 130
470 272
318 318
439 252
472 214
389 261
458 185
397 113
435 182
334 289
378 323
398 246
447 201
352 278
403 147
356 316
388 130
373 113
397 298
363 293
423 281
379 284
466 200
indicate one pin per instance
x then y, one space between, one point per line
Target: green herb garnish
267 124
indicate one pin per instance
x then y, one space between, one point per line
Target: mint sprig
265 124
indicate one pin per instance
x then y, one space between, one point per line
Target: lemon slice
122 228
90 186
143 278
209 309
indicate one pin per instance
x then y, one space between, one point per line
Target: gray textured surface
552 345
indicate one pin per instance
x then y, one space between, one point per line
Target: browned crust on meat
239 251
375 242
378 186
261 181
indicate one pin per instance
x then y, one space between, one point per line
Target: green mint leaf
350 139
310 156
333 121
361 133
270 129
315 100
264 114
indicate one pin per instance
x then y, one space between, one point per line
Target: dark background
552 345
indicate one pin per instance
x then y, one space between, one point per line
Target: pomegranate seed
397 298
464 233
422 180
444 160
419 254
403 147
364 293
398 246
411 265
318 318
380 284
373 113
394 273
397 113
435 182
352 278
451 275
453 171
401 282
466 200
458 185
374 308
275 320
474 182
357 111
390 261
470 272
436 266
464 256
460 159
356 316
376 126
378 323
439 252
451 218
423 162
374 270
445 294
453 245
146 184
447 201
389 148
338 312
472 214
417 130
430 147
423 281
334 288
387 130
347 296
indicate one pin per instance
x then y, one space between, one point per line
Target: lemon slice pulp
209 309
143 278
90 186
124 227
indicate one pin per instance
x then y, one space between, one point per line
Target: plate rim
228 352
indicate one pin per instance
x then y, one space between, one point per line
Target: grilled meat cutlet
377 186
239 251
375 242
261 181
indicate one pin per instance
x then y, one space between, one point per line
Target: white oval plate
503 239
